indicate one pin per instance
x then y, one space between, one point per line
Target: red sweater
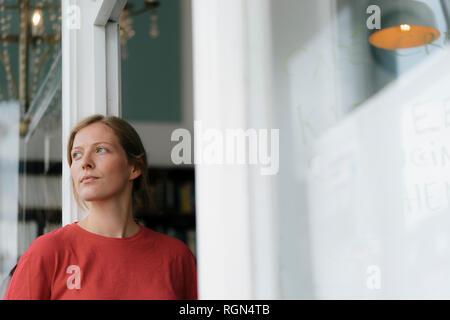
73 263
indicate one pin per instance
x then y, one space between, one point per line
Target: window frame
90 74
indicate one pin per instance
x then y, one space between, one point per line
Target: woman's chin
91 197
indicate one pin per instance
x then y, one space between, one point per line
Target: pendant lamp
405 24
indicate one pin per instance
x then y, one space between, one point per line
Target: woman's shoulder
49 242
168 243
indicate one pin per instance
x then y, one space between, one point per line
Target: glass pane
30 122
364 153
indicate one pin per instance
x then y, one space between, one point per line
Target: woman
106 255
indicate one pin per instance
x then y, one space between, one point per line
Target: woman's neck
113 220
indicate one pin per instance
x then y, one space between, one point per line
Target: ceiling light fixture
405 24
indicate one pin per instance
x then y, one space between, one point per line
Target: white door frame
235 206
90 74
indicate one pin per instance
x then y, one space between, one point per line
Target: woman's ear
135 172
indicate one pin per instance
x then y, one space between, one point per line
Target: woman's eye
75 153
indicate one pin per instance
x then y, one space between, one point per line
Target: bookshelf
173 213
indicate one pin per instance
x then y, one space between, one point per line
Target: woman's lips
89 180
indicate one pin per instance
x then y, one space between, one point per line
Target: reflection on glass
9 185
426 153
30 126
340 101
426 147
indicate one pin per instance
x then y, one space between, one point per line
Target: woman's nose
86 162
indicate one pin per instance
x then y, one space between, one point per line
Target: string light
37 18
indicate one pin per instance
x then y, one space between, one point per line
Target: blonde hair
134 150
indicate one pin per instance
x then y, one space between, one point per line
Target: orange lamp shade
403 36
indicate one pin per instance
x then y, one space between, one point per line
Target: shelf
38 168
179 221
172 219
41 215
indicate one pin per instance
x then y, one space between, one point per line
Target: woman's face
96 152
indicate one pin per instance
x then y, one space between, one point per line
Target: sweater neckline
100 237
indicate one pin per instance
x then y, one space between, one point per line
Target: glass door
30 126
362 103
